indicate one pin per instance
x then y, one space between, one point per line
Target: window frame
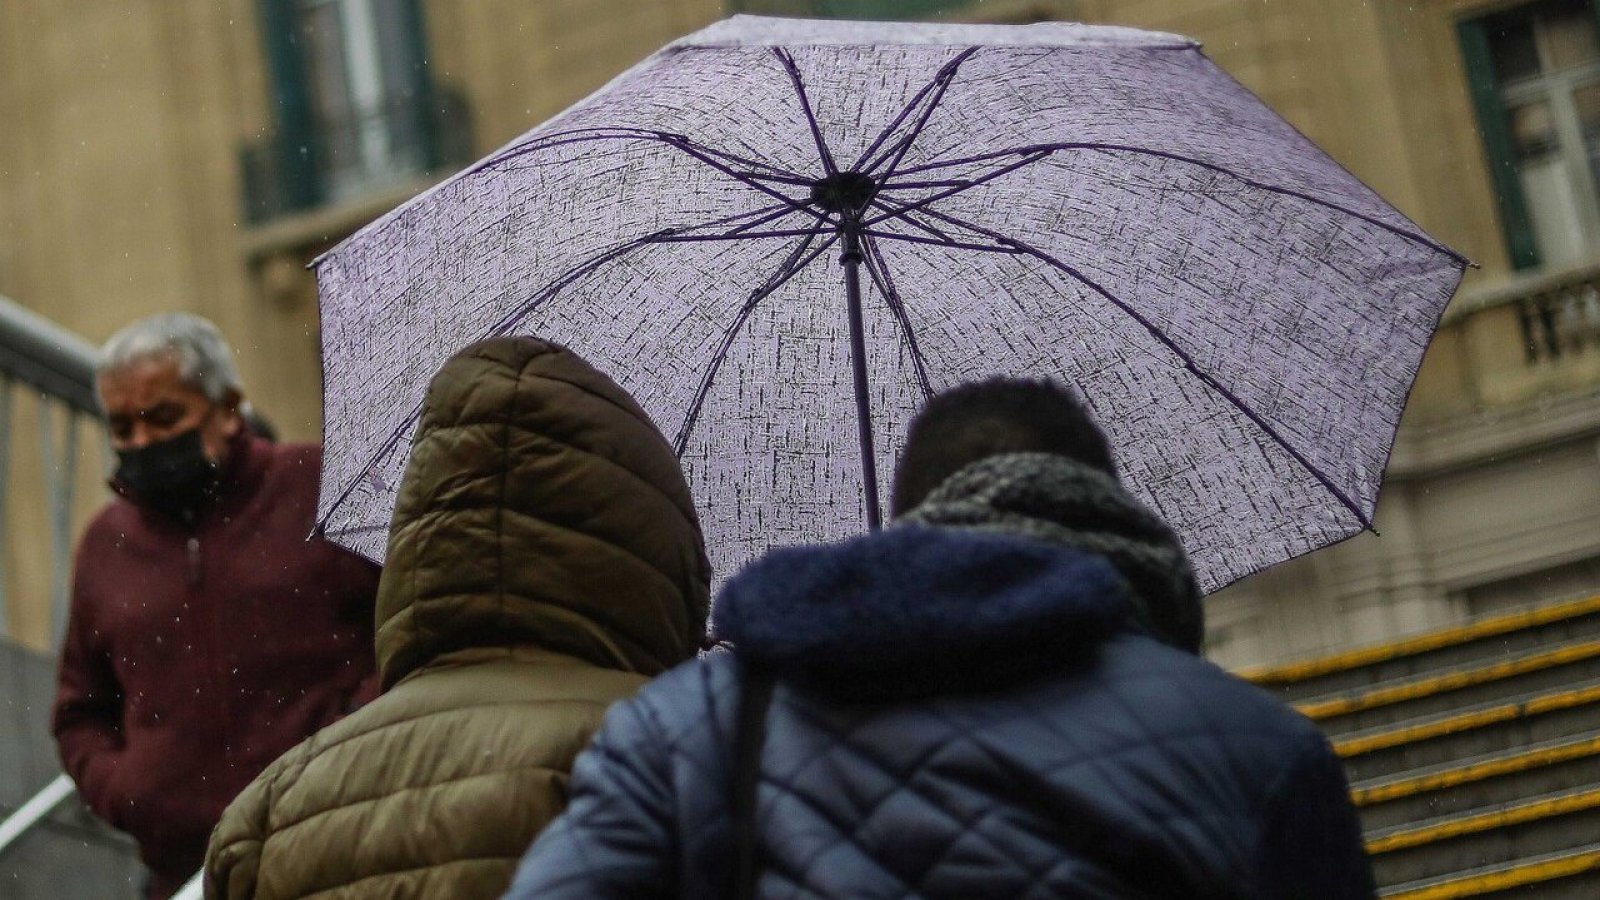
304 174
1492 102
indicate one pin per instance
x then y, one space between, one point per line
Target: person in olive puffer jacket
544 561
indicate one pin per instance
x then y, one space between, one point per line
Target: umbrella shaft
851 260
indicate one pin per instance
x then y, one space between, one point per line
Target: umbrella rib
939 237
705 155
623 133
797 205
891 206
762 215
796 180
1047 149
1171 345
878 268
904 113
359 529
940 85
745 236
777 174
506 323
777 211
951 192
797 260
943 80
951 244
805 105
912 185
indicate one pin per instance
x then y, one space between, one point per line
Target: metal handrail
37 351
60 365
40 805
35 810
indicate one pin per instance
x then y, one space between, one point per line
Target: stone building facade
195 154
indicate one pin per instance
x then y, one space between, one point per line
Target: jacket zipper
194 562
206 611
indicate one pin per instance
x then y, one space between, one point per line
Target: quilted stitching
1126 769
1060 790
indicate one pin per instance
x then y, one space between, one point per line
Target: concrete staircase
70 855
1473 752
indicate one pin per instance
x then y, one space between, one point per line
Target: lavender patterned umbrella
783 236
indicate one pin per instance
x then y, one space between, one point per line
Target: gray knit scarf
1054 498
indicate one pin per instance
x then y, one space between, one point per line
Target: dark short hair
988 418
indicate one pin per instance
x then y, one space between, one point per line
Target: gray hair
205 362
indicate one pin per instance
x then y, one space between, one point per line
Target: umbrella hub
846 193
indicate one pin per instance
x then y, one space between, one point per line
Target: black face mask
172 477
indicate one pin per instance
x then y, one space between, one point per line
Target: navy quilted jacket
956 715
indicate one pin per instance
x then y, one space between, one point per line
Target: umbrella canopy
1100 205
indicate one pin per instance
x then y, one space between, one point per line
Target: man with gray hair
207 634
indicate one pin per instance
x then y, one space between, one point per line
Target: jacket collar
917 610
1060 500
249 457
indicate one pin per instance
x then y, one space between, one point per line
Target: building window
355 108
364 75
1535 76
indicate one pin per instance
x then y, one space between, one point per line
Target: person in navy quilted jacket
1000 695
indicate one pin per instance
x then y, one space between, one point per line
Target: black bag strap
755 695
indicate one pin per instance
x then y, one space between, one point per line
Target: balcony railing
1514 364
1556 315
1561 321
340 158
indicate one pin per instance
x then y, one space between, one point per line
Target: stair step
1505 815
1499 834
1398 691
1498 777
1492 765
1437 650
1507 724
1427 727
1540 870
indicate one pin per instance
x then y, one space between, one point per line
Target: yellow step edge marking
1504 879
1449 778
1339 706
1288 673
1407 734
1484 821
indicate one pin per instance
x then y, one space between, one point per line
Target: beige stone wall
521 62
121 123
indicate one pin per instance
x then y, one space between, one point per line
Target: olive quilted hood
541 507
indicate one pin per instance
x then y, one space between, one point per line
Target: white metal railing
58 366
38 807
34 811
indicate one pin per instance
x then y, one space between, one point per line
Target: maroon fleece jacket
194 656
